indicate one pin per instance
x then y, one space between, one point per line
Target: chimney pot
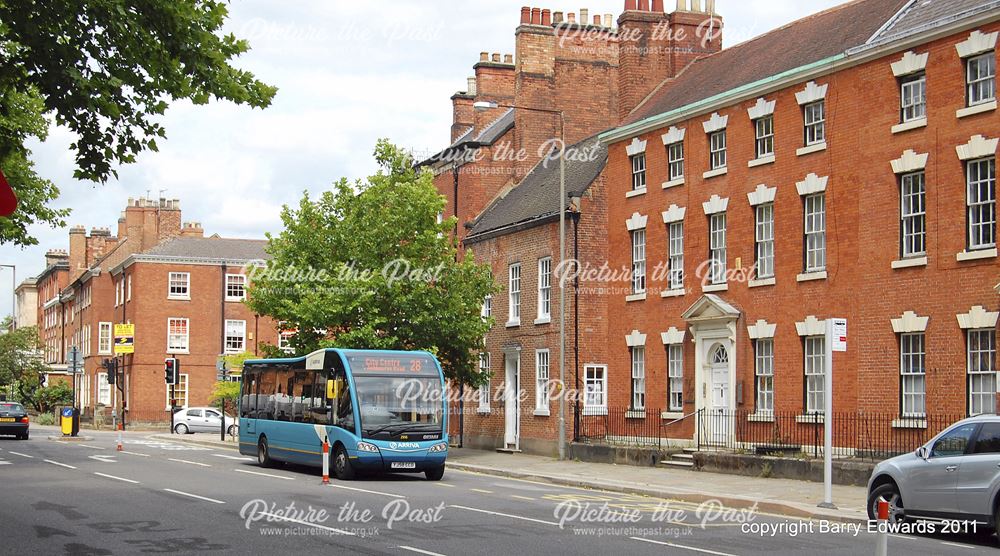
536 16
496 57
508 58
584 16
557 17
658 6
630 5
472 86
609 20
484 56
546 17
643 5
597 20
525 15
571 17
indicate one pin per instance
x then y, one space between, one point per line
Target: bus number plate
404 465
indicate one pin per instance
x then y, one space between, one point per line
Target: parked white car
954 476
203 419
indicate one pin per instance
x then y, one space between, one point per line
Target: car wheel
434 474
181 428
890 492
23 436
342 468
232 430
263 453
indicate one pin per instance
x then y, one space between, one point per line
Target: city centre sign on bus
124 339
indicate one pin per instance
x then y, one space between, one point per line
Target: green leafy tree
106 70
20 355
369 266
228 392
46 398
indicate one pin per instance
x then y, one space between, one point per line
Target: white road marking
300 522
4 462
59 464
135 454
189 462
958 545
238 458
444 485
682 546
91 446
419 551
206 499
481 490
103 459
263 474
367 491
122 479
519 497
505 515
23 455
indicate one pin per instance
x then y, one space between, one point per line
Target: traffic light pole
171 409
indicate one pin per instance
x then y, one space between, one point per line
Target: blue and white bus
381 411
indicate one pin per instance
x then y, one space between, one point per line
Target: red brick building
183 292
843 166
570 78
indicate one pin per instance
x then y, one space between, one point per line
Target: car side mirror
922 452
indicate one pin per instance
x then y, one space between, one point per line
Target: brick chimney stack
192 229
55 256
656 45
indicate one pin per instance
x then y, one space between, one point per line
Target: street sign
74 363
839 334
124 339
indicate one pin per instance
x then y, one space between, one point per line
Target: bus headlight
442 447
366 447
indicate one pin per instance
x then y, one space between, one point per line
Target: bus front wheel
263 454
435 474
342 468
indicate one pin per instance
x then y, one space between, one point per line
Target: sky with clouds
349 72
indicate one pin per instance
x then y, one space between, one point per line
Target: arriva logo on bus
397 445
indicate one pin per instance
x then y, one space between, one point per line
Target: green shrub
45 419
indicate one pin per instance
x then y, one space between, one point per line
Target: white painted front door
719 415
511 400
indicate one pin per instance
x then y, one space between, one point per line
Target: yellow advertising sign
124 339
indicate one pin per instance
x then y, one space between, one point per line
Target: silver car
203 419
954 476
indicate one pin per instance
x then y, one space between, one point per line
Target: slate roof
800 43
927 13
496 129
208 248
534 198
489 135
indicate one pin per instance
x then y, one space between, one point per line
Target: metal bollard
882 538
326 461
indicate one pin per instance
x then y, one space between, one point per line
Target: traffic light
171 370
111 366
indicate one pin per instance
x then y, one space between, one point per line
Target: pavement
196 495
776 496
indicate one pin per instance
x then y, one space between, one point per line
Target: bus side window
249 386
266 388
320 409
298 390
282 398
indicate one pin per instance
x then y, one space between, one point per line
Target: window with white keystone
815 233
913 374
913 98
639 261
764 237
639 171
675 255
764 371
675 377
717 248
675 160
981 178
717 149
638 377
982 370
764 128
980 79
912 211
815 370
815 122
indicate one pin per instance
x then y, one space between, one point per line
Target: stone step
683 456
677 463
